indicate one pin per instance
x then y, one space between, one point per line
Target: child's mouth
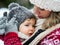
30 34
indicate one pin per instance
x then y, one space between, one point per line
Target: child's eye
26 25
34 26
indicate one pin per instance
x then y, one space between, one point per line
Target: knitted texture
11 39
53 5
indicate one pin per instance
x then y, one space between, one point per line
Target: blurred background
5 3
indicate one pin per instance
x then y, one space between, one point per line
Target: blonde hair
52 20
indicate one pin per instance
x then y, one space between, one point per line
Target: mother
50 10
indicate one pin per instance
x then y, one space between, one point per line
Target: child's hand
11 26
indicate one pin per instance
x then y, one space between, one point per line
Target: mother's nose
36 11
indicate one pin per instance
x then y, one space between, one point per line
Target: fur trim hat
51 5
21 13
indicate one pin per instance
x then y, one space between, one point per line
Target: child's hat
11 5
20 12
53 5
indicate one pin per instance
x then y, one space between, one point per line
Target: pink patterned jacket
52 38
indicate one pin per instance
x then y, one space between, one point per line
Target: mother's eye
41 9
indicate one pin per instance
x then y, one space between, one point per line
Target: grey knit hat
20 12
13 5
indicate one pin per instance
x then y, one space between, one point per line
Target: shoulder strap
33 37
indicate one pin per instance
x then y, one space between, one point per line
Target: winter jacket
53 38
11 38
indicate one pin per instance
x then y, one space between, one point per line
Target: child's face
41 13
27 27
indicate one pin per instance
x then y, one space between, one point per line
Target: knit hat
51 5
11 5
21 13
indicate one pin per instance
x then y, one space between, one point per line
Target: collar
23 36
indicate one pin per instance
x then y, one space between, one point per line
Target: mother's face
41 13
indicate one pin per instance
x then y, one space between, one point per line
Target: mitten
11 26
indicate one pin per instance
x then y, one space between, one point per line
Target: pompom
11 5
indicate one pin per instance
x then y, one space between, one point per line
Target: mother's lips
40 16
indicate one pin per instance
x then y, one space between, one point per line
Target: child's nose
31 28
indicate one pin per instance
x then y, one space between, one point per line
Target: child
20 22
